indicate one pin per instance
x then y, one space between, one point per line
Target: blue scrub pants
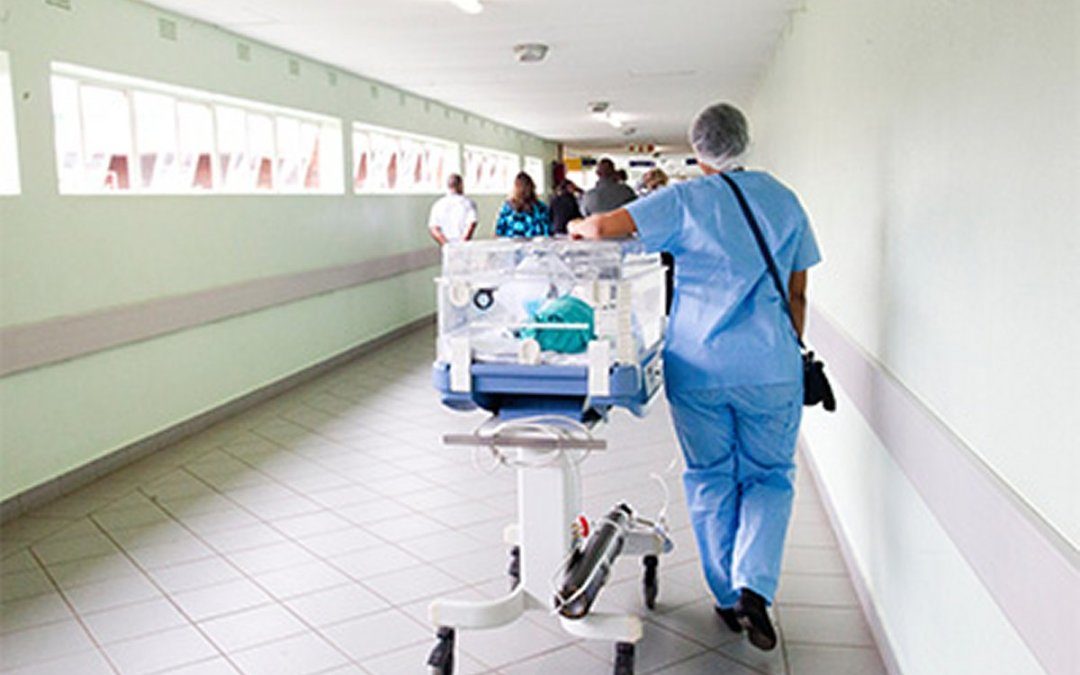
739 445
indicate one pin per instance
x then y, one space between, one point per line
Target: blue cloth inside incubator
565 309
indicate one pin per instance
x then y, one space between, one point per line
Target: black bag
816 387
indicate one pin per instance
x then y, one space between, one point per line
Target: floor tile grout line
78 617
315 432
273 600
840 645
575 642
818 606
132 488
169 598
323 508
326 560
783 641
374 591
331 469
691 657
651 619
171 669
283 601
126 491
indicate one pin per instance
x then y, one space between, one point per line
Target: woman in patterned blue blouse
523 214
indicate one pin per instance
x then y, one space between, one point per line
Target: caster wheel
441 660
624 658
515 567
650 584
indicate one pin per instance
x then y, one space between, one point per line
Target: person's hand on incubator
611 225
583 228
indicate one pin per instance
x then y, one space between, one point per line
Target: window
534 166
489 171
195 131
389 162
9 156
156 135
116 134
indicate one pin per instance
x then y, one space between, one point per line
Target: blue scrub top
728 326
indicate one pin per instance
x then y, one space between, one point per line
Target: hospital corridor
539 337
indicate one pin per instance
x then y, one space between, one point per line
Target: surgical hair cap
719 134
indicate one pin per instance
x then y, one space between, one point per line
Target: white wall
936 146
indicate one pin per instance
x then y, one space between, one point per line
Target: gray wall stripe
37 344
1030 570
100 467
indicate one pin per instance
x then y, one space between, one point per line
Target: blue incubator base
511 390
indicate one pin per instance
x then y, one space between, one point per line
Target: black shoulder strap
764 248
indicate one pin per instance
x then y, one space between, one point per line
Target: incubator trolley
550 335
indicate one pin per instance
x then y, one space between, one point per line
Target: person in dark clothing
564 207
609 194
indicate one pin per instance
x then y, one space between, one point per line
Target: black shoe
729 618
752 615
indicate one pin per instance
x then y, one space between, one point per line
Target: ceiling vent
530 52
167 29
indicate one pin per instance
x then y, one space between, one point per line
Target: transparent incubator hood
543 301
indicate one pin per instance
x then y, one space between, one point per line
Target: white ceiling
656 61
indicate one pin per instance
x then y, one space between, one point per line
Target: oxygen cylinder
590 566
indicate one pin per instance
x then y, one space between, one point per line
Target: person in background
564 207
523 214
732 364
453 216
653 180
579 194
609 194
622 176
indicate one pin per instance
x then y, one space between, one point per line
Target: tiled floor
310 534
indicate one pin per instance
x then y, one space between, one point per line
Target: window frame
329 128
399 137
537 169
484 189
10 180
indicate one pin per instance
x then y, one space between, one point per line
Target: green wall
64 255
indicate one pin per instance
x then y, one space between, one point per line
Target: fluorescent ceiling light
468 6
616 120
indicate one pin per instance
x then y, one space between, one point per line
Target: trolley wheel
624 658
441 660
650 583
515 567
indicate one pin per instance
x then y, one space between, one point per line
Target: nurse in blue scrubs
733 372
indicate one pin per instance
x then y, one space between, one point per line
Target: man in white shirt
453 217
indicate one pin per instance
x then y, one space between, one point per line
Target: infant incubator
549 335
549 326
